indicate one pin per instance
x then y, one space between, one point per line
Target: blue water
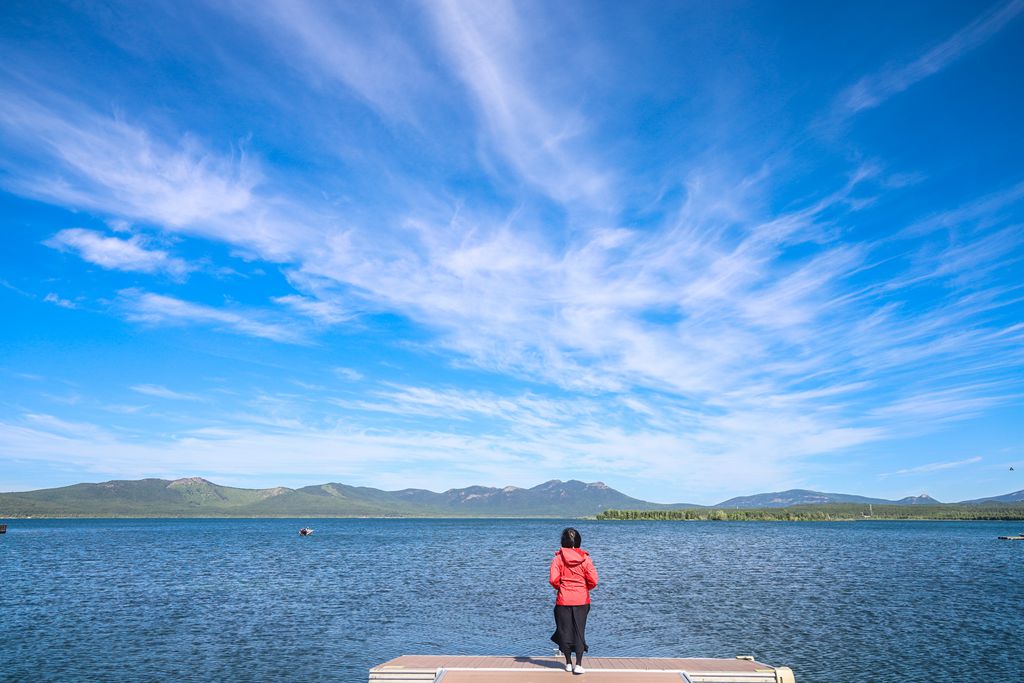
184 600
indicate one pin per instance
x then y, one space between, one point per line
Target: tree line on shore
826 513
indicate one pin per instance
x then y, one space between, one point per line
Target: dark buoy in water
305 531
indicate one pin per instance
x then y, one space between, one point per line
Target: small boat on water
3 528
305 531
1018 537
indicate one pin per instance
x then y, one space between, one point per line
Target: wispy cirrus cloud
67 153
327 453
525 409
158 309
934 467
618 309
576 314
160 391
490 45
325 312
333 44
525 452
114 253
350 374
666 435
56 300
870 91
580 314
105 159
744 328
979 214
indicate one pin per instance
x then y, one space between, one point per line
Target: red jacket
574 575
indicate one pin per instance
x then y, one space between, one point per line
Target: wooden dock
452 669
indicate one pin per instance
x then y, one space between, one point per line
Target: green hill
196 497
792 497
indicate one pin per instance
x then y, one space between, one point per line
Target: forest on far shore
830 512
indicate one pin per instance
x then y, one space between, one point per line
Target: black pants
571 628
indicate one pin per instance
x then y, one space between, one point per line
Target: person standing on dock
573 575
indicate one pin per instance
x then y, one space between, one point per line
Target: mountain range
197 497
805 497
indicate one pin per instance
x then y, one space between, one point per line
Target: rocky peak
923 499
190 481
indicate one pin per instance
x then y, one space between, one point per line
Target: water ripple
184 600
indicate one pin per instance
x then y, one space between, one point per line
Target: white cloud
108 159
163 392
64 429
934 467
785 356
118 254
123 409
253 443
490 45
874 89
740 338
522 410
155 309
348 373
357 46
712 453
326 312
84 159
974 216
53 298
956 403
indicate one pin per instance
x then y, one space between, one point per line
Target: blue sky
690 249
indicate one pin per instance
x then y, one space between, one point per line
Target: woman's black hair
571 538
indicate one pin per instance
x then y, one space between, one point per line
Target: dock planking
468 669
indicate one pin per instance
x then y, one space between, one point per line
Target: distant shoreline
1016 515
295 517
832 512
198 498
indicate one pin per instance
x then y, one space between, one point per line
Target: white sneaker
568 667
577 669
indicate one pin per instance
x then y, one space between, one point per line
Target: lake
184 600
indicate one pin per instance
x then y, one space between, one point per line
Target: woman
573 575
